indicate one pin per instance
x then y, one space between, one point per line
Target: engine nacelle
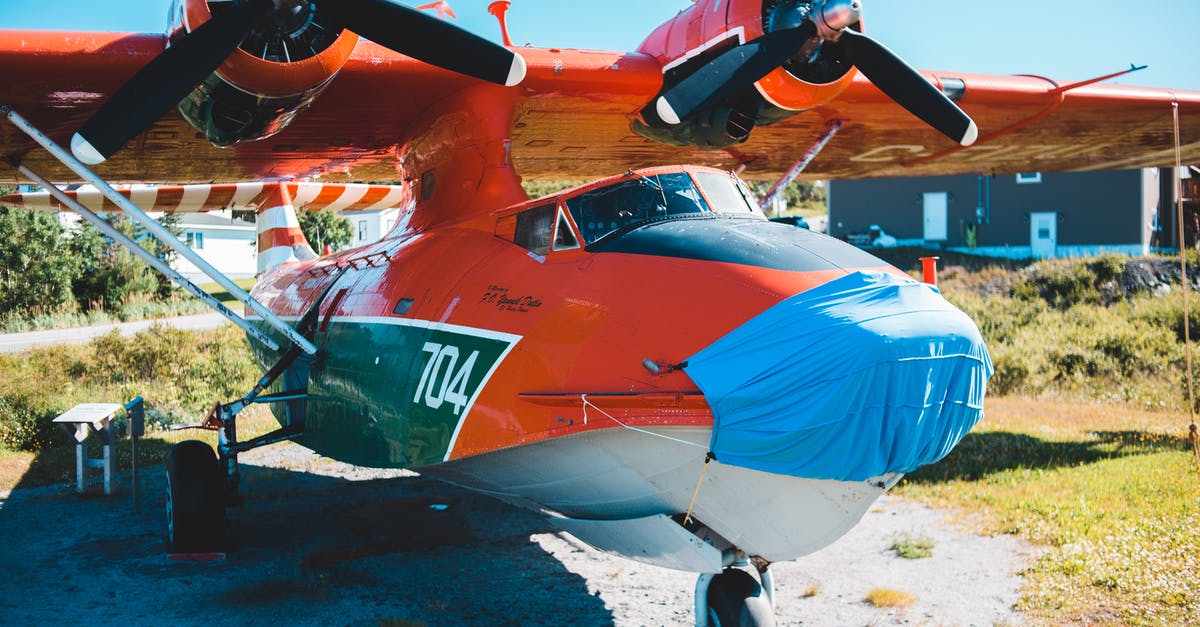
709 28
275 74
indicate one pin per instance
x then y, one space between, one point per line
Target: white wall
232 252
370 226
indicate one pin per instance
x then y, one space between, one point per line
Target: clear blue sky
1067 39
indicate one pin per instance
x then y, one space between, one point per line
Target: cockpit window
641 198
726 193
534 229
564 237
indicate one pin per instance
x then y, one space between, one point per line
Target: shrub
36 262
26 420
1061 285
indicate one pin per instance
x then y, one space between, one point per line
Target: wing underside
574 121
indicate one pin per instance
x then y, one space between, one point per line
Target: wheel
736 600
195 499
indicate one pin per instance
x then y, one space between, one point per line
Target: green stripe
393 392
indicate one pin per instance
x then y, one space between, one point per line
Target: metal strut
223 419
158 264
159 232
830 131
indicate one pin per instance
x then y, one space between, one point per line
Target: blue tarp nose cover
865 375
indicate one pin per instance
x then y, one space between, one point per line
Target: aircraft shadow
305 548
983 454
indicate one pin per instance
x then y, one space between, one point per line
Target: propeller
172 75
739 68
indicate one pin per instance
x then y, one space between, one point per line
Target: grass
913 547
1113 493
140 308
883 597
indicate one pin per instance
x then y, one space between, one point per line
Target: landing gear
735 597
200 483
195 499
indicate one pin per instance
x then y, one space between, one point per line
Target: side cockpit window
535 228
564 237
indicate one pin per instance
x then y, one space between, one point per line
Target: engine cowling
274 75
700 34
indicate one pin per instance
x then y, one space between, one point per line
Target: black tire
735 599
195 499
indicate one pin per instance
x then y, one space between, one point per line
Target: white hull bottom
624 474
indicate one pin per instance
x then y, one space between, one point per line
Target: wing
575 119
234 196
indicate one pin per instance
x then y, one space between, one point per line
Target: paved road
18 342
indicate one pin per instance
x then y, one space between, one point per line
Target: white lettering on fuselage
443 359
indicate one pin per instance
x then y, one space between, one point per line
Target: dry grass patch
883 597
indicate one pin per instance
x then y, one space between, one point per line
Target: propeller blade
908 87
164 81
432 40
731 72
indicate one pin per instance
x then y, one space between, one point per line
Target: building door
936 207
1043 234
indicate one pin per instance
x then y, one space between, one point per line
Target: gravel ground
321 543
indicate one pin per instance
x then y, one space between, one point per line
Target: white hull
623 474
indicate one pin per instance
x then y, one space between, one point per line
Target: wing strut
158 264
161 234
789 176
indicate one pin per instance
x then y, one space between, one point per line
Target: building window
362 230
194 239
1026 178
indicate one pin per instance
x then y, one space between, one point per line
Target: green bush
1127 352
37 263
26 420
1061 285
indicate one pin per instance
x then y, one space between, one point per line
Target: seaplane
645 359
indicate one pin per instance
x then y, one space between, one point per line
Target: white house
231 245
228 244
370 226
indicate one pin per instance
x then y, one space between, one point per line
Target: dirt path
321 543
19 342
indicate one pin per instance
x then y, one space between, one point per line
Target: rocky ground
321 543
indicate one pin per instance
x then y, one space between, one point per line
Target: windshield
641 198
726 193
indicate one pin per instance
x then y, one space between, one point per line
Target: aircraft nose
866 375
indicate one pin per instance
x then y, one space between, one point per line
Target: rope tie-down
708 456
1193 437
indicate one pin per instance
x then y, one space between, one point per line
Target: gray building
1032 215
